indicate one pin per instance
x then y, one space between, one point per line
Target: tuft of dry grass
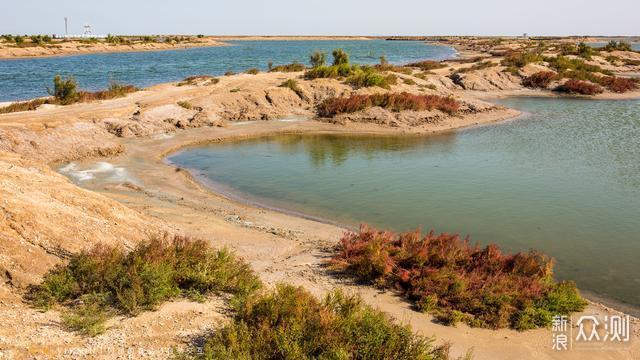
427 65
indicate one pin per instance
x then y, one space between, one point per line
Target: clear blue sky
328 17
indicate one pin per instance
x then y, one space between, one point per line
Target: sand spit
75 47
118 147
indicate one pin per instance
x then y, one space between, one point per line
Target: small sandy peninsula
131 135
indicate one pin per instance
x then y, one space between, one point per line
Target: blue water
564 179
28 78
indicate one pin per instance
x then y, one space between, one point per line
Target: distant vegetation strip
446 276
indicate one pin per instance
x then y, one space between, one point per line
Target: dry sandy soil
45 216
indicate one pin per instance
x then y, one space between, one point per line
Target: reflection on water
564 179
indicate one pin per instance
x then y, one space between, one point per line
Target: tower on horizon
66 26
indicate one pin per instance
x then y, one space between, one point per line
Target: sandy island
133 134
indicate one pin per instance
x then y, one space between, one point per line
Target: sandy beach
135 133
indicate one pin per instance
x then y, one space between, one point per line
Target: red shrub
393 102
446 275
579 87
540 79
618 84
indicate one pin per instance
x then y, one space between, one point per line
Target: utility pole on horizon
66 27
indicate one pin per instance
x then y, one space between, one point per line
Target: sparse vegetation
393 102
563 64
409 81
617 46
290 323
518 59
252 71
107 280
367 77
229 73
444 275
294 67
199 79
580 87
477 66
427 65
293 85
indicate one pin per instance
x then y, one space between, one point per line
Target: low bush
579 87
294 67
427 65
340 57
108 280
318 59
408 81
65 91
332 72
290 323
443 274
19 40
115 90
293 85
618 84
564 64
393 102
518 59
229 73
369 77
540 79
252 71
617 45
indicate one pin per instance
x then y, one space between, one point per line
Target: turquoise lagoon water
29 78
563 179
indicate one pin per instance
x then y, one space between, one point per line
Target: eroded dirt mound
44 217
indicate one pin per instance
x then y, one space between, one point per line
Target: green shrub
563 64
229 73
18 39
409 81
65 91
163 268
340 57
7 38
318 59
290 323
477 66
518 59
617 46
369 77
445 275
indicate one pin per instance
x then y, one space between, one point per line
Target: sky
327 17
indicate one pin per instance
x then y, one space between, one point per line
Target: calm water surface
564 179
28 78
